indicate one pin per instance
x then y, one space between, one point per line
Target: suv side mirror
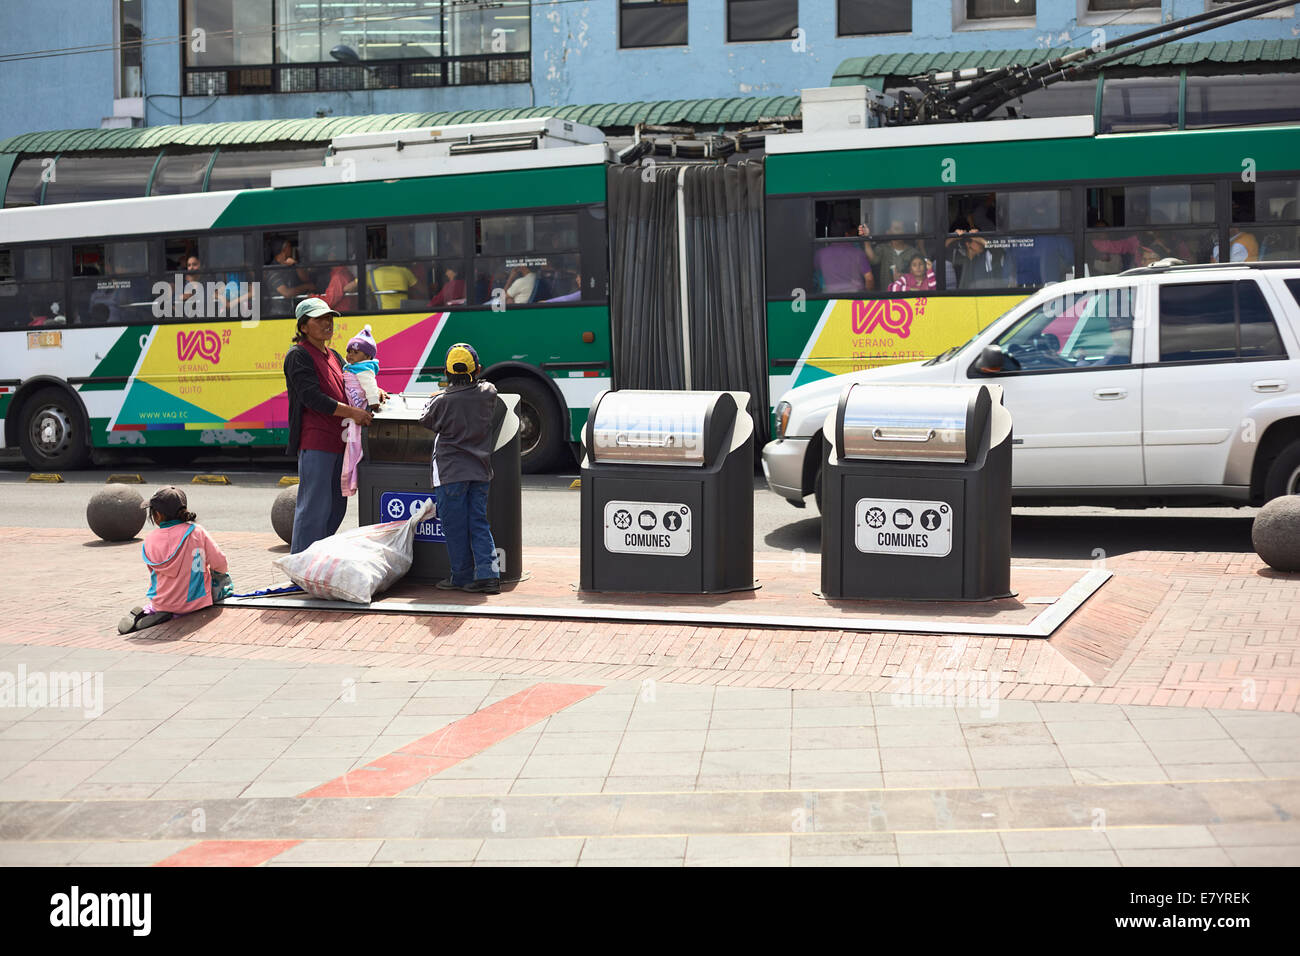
992 361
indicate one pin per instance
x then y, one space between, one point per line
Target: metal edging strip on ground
1047 621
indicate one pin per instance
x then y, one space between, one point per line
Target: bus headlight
782 418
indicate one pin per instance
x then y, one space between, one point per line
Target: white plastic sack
356 565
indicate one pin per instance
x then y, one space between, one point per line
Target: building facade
68 64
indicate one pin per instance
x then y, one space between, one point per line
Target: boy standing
463 417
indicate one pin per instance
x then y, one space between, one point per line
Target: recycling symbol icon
396 508
876 517
622 519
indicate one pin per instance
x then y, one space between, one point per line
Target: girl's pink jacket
180 555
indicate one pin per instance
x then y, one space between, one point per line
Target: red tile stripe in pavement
418 761
229 853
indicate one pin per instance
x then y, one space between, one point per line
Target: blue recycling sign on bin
400 505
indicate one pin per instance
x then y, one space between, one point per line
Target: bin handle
623 441
903 434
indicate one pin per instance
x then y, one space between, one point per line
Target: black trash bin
668 493
394 475
916 496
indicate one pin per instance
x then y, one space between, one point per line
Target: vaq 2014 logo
201 342
893 315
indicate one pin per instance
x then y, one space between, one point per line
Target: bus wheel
541 431
53 433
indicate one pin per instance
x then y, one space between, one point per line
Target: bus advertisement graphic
232 376
853 335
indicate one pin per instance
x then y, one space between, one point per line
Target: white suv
1168 384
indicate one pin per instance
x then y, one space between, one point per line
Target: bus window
111 283
529 258
1265 220
1131 226
1008 239
899 229
286 280
210 277
330 259
415 265
29 296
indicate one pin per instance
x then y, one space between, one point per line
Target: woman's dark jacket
304 390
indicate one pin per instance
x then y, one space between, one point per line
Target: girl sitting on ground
182 560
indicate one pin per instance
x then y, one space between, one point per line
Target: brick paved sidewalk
1199 630
190 760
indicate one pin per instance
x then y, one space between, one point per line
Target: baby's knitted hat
364 341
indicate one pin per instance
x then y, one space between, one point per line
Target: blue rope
270 592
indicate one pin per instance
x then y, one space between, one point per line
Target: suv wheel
1283 476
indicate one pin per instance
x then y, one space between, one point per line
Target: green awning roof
712 112
1260 53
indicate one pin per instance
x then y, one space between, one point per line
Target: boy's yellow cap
462 359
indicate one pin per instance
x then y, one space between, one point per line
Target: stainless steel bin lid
397 435
911 422
645 427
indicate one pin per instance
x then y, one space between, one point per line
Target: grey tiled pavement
634 774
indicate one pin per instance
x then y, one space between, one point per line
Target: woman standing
313 375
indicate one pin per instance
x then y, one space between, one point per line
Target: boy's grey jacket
463 418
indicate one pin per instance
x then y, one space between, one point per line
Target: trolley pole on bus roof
953 96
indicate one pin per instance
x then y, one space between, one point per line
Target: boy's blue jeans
462 509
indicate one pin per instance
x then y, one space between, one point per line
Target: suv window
1294 286
1212 321
1093 327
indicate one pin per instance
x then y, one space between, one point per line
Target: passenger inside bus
918 274
978 265
573 281
193 283
453 289
843 266
521 284
1242 245
340 285
49 314
390 283
287 282
889 259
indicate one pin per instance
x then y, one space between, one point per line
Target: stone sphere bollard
1276 533
282 513
117 513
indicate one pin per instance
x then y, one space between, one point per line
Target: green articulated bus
893 245
162 322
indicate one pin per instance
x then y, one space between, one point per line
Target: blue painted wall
61 91
576 59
